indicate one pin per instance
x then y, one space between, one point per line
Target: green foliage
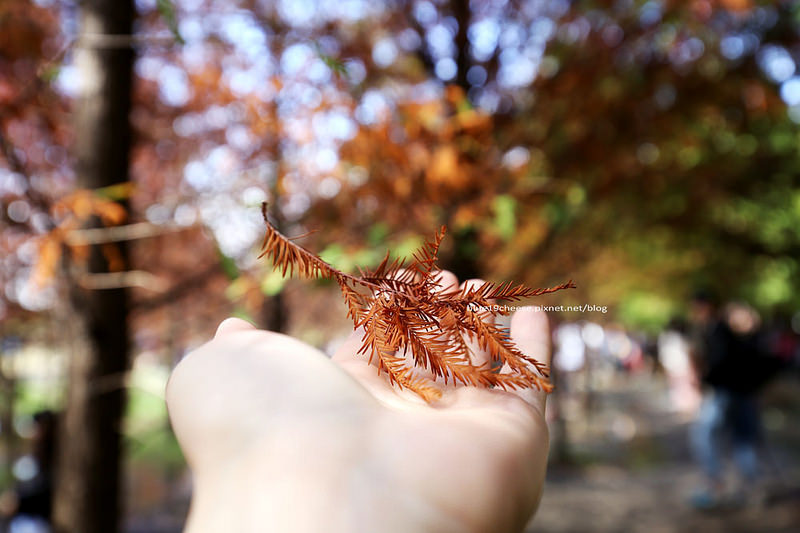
775 283
167 11
156 447
37 395
244 314
405 247
228 265
273 282
50 74
148 438
378 233
504 215
116 192
646 311
336 65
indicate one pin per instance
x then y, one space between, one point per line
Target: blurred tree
88 494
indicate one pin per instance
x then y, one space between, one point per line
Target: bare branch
118 280
109 40
185 286
129 232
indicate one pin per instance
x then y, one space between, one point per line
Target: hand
281 438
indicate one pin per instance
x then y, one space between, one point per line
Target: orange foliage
70 213
48 257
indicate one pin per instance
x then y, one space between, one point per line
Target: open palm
282 438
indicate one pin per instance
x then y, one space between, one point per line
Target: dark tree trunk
463 260
88 489
463 16
274 313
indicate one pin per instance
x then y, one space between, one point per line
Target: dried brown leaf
403 311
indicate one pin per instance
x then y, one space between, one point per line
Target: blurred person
730 358
674 355
569 368
570 350
628 350
281 437
29 505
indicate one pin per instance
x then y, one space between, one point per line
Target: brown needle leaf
403 311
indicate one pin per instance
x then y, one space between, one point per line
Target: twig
129 232
119 280
122 40
177 291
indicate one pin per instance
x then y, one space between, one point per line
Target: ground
641 482
607 499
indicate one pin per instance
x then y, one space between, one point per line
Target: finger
366 373
232 325
378 384
445 280
350 347
530 331
479 356
401 273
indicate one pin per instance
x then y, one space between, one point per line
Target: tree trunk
463 261
274 313
463 16
87 498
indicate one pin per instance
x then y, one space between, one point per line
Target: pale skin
282 438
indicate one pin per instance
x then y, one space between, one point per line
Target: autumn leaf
402 310
47 259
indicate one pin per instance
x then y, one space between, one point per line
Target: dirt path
642 483
607 499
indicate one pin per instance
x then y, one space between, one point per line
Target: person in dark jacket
730 361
